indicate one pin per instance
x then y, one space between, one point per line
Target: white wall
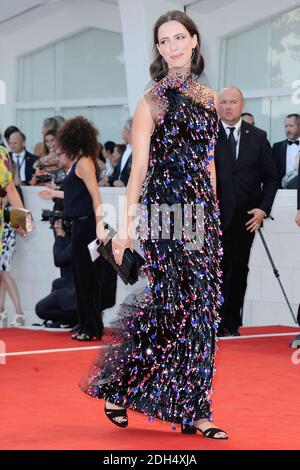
264 302
231 19
136 19
66 20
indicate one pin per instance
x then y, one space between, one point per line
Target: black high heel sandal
187 429
113 414
209 433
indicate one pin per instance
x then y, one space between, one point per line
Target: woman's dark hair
100 153
54 134
159 67
9 131
120 148
109 146
78 138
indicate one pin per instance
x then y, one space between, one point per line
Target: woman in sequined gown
163 362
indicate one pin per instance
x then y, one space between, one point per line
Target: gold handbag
20 218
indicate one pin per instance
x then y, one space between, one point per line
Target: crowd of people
113 159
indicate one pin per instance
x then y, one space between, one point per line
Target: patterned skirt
8 247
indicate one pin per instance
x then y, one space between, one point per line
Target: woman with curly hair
77 140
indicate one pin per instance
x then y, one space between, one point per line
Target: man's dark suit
244 183
124 175
279 155
30 160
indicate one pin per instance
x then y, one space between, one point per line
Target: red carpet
256 399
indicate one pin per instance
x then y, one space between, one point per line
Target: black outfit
30 160
124 174
279 151
60 306
163 363
95 283
279 154
244 183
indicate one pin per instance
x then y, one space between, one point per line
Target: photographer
60 306
95 283
46 170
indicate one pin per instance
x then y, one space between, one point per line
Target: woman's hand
104 181
119 184
119 245
102 233
51 185
58 228
47 194
21 231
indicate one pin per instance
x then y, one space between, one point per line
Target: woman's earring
193 54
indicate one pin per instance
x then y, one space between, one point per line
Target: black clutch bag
131 264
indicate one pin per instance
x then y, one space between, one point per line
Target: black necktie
232 141
19 166
290 142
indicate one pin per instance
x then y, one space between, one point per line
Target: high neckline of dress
179 72
176 77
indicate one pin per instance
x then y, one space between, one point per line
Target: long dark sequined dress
163 363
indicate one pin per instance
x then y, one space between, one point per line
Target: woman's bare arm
85 169
13 196
141 134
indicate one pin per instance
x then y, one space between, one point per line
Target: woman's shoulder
203 93
39 149
202 85
3 149
3 152
84 164
5 166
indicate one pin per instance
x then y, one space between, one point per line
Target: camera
52 216
57 176
43 166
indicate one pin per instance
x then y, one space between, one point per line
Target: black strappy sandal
187 429
209 433
113 414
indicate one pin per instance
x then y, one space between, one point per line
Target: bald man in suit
247 182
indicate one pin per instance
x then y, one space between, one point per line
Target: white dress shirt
108 169
292 157
125 158
22 163
236 133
